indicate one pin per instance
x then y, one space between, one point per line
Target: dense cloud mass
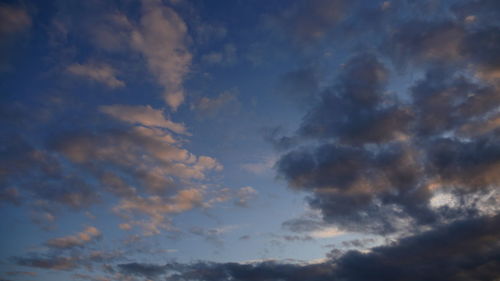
463 250
382 156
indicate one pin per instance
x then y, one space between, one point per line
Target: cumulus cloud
380 160
162 38
101 73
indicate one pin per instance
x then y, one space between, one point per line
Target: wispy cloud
101 73
80 239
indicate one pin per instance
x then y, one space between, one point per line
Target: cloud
72 260
244 195
310 21
137 159
479 46
379 160
101 73
311 224
327 233
78 240
157 208
13 19
146 270
155 164
301 85
213 235
144 115
226 56
162 38
210 107
54 263
463 250
418 41
21 273
259 168
111 32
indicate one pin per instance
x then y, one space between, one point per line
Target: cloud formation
162 38
144 115
380 160
80 239
463 250
101 73
13 19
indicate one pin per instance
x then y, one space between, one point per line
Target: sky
232 140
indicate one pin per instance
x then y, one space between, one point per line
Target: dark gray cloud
54 263
464 250
277 137
481 47
380 160
355 110
419 41
140 269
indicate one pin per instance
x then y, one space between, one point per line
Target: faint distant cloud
210 107
52 262
244 195
260 167
226 56
112 32
213 235
21 273
102 73
245 237
309 21
10 195
13 19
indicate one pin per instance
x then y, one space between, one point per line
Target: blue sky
249 140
